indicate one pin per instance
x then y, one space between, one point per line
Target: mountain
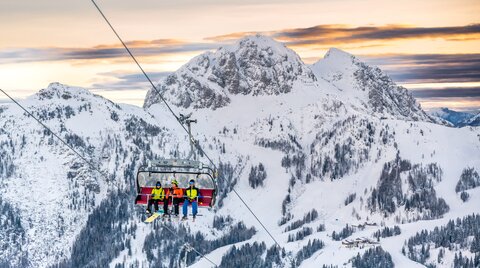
473 121
255 65
258 65
333 158
375 91
50 191
454 117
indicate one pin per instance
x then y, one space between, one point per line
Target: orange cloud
144 43
328 35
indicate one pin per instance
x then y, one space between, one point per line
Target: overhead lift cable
177 118
92 166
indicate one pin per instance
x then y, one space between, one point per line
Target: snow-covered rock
371 87
49 186
255 65
454 117
338 142
474 121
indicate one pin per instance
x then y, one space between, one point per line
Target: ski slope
244 122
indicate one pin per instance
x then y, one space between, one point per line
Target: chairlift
181 170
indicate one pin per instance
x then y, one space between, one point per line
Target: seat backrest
204 201
206 197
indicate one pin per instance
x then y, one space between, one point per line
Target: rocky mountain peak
254 65
340 57
56 90
369 86
259 65
260 42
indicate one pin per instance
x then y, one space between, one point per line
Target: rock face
259 65
371 86
310 148
255 65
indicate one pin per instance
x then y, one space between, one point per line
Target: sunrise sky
430 47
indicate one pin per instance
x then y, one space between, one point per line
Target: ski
154 216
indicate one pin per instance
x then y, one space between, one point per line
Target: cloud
341 34
455 103
138 48
423 59
144 43
453 92
234 36
333 34
429 67
319 36
128 81
414 68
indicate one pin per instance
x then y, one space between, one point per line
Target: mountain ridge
329 163
375 90
457 119
212 79
254 65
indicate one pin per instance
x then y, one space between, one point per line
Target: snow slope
52 188
324 132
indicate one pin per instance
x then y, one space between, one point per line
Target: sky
431 47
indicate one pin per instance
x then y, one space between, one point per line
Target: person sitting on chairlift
191 198
157 195
177 196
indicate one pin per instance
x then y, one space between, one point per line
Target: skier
177 196
191 197
157 195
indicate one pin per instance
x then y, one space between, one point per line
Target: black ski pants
155 203
176 202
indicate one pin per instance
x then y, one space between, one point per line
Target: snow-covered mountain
253 66
370 86
454 117
333 158
473 121
50 191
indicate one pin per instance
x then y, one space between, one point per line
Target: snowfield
324 132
